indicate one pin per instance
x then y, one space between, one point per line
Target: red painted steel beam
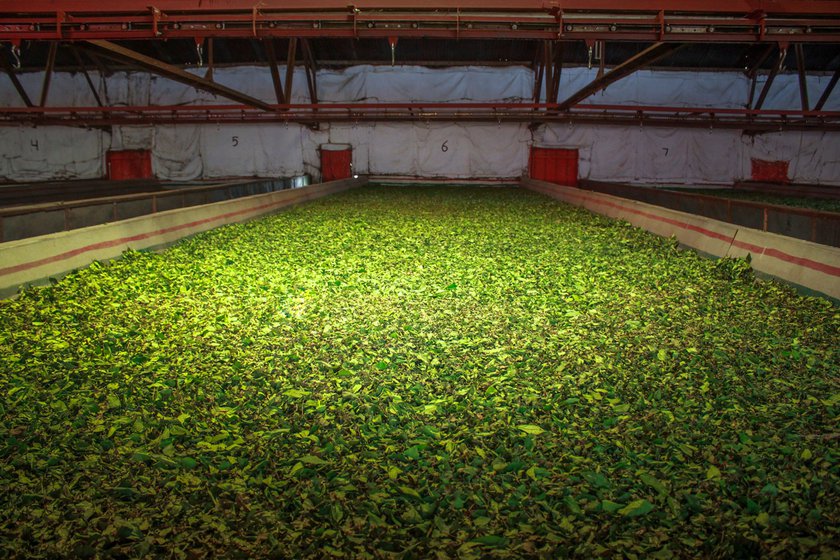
644 58
752 120
685 21
174 73
738 34
694 6
424 106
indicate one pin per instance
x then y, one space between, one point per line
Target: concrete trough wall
16 222
812 266
35 260
802 223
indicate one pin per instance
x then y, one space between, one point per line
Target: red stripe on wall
116 242
768 251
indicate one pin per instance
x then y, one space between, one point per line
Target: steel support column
539 72
772 76
275 72
828 89
210 60
85 73
15 82
48 70
177 74
311 70
551 67
648 56
803 82
752 72
290 67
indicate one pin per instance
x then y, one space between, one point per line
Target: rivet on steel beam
668 29
514 26
613 28
570 27
710 29
370 25
315 25
415 25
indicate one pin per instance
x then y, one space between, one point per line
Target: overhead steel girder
718 118
118 52
692 6
644 58
682 21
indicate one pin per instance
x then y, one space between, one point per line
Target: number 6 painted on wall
444 147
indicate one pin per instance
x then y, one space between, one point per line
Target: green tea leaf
409 491
636 508
491 540
610 506
313 460
654 483
531 429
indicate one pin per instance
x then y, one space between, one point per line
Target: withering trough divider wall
801 223
35 260
805 264
21 222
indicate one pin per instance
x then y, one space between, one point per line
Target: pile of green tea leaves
419 372
822 204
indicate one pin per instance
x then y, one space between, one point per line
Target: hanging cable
16 56
199 49
393 42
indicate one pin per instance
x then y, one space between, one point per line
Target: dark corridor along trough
419 372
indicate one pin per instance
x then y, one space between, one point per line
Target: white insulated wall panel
635 154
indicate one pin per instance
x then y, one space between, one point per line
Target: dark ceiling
433 52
